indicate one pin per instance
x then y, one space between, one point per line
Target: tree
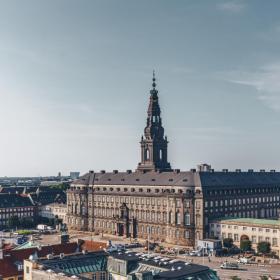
228 242
245 245
264 247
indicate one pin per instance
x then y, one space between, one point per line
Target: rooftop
182 178
251 221
162 267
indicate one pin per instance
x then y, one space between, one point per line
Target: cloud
231 6
264 80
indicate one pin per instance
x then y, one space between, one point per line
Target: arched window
160 154
147 154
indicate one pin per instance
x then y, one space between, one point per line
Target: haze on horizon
76 75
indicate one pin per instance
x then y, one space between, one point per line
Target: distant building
255 230
166 204
15 205
53 210
74 175
48 195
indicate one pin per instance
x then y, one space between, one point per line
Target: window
147 154
254 239
274 241
187 219
187 234
178 218
236 237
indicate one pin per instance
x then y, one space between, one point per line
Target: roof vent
49 256
250 170
272 171
128 171
225 170
212 170
262 170
177 171
61 255
103 171
115 171
193 170
238 170
91 171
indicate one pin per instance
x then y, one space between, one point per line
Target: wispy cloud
231 6
264 80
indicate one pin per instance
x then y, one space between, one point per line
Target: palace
168 204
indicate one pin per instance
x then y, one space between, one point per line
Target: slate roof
183 178
166 270
228 179
14 200
49 196
138 178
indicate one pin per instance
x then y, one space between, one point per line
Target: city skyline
75 82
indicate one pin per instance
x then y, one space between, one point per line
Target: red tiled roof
7 264
8 268
93 245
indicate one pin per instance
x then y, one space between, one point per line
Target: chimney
204 167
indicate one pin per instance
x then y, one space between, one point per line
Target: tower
154 143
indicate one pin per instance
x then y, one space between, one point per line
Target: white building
53 210
255 230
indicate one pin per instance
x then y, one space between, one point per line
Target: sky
75 79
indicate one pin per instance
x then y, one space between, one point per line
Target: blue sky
76 75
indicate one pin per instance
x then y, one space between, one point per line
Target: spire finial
154 80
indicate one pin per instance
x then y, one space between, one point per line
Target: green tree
235 278
263 277
228 242
245 245
264 247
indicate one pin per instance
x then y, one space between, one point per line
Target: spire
154 80
154 144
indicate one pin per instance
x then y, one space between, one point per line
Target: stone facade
255 230
168 205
